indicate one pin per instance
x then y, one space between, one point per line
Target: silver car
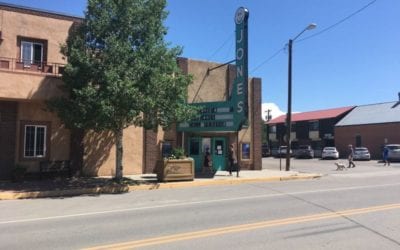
394 152
361 153
282 151
330 152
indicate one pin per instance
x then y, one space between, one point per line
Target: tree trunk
119 154
77 151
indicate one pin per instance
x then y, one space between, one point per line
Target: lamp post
289 112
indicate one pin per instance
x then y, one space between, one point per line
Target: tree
121 72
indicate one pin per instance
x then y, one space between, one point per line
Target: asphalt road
328 167
352 209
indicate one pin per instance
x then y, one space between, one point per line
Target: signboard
239 94
232 114
213 116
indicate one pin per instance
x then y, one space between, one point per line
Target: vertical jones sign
239 92
232 114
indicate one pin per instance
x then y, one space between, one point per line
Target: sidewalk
95 186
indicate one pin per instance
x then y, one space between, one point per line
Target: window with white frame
272 129
35 141
31 53
314 125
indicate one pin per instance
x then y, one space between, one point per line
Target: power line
316 34
339 22
220 47
267 60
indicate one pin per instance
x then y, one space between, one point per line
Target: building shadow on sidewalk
204 175
60 184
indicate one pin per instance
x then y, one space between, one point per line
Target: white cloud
275 111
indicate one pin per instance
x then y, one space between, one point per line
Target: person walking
350 157
386 156
232 159
207 163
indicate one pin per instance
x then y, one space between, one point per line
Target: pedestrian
350 157
207 163
386 156
232 159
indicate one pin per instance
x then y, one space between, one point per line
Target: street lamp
289 112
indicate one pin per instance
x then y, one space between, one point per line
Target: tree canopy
121 72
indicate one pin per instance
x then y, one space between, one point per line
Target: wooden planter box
175 170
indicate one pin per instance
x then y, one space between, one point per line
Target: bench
55 167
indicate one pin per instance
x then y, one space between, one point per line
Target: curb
111 189
116 189
169 185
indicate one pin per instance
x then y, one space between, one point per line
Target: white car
394 152
330 153
361 153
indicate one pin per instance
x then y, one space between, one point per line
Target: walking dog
340 166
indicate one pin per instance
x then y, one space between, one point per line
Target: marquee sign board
232 114
213 116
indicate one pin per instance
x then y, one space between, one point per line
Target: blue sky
354 63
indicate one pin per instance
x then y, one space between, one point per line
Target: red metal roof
312 115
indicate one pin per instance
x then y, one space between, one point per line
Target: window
293 127
31 53
358 141
273 129
246 151
166 149
194 147
314 125
34 141
219 147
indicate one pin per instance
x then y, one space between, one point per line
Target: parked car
265 150
282 151
305 151
361 153
330 153
394 152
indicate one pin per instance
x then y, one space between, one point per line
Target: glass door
195 152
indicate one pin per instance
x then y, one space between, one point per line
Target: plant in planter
19 172
176 167
177 153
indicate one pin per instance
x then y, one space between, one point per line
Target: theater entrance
215 146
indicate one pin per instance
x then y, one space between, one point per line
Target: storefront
230 108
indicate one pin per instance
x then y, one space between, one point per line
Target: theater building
31 67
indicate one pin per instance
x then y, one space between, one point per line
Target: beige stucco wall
207 86
99 153
15 85
35 86
59 147
14 24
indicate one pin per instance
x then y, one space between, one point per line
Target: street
356 208
328 167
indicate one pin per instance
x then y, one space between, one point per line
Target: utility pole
289 112
268 117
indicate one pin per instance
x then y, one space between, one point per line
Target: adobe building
370 126
31 67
